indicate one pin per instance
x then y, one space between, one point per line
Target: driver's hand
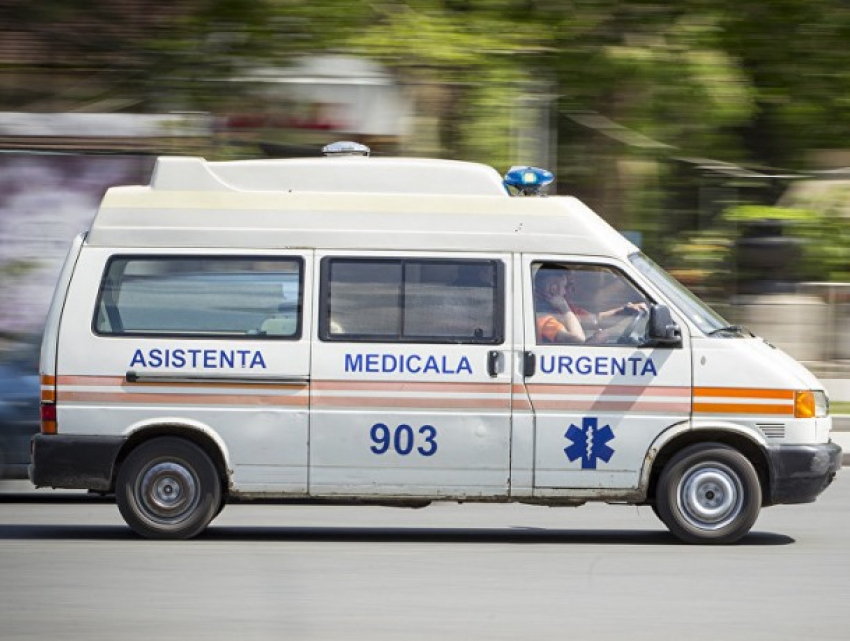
632 309
560 304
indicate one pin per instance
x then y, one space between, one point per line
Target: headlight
811 404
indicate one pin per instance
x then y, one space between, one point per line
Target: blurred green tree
638 93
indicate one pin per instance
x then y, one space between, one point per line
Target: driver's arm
612 316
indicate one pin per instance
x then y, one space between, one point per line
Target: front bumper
799 473
74 462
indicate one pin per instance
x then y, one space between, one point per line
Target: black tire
708 493
168 488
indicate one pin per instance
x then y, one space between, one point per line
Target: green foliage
706 260
750 83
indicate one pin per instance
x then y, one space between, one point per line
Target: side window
412 300
577 303
200 296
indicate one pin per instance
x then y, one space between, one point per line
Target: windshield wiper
731 329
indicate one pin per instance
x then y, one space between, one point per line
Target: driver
559 320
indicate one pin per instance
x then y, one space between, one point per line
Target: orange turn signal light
804 404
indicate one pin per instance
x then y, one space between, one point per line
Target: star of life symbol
589 443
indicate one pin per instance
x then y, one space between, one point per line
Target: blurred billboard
45 201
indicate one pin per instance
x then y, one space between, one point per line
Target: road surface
70 569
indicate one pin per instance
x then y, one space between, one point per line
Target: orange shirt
548 327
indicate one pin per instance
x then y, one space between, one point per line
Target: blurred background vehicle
19 405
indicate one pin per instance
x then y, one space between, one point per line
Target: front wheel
708 493
168 488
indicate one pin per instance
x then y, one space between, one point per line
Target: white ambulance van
400 331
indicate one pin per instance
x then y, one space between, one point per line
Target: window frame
297 260
324 314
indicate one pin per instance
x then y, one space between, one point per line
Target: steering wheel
629 335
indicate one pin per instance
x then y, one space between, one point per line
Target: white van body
172 377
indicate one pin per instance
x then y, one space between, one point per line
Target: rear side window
412 300
210 297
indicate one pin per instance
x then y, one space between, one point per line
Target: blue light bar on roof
528 181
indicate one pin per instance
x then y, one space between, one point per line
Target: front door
599 397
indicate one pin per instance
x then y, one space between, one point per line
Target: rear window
202 296
412 300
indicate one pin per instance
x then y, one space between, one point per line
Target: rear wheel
168 488
709 493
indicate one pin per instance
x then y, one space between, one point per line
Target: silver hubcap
168 492
710 496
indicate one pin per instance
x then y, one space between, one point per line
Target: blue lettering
372 363
431 365
414 369
601 368
618 366
178 358
227 359
389 363
446 369
354 362
638 365
209 359
399 363
403 440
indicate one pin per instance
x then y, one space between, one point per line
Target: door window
580 303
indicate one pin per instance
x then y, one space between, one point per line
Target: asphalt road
70 569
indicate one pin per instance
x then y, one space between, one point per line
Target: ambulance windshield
705 318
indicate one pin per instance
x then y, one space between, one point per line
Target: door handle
493 363
529 364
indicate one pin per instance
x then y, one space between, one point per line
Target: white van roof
349 174
262 204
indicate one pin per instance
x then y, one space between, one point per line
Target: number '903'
403 439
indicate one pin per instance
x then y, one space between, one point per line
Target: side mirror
662 329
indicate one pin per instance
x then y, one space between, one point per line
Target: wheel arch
733 437
198 434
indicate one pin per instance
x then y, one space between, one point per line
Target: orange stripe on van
410 386
121 382
744 408
47 379
609 390
299 400
743 392
90 380
613 406
411 402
